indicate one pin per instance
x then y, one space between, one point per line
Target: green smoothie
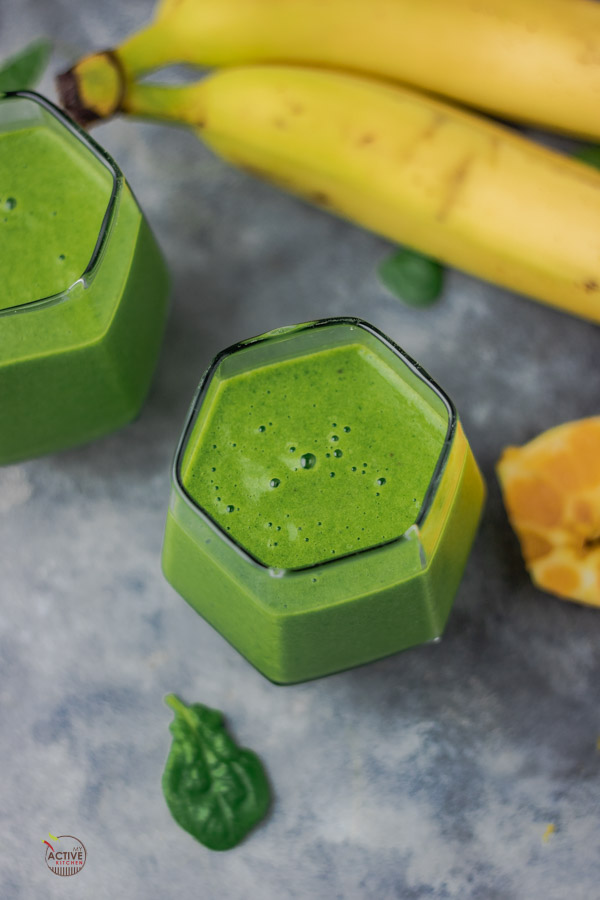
316 457
83 286
324 451
50 214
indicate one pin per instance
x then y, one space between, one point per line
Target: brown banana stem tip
72 101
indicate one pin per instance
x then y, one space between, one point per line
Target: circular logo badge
66 855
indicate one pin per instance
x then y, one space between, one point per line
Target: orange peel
551 490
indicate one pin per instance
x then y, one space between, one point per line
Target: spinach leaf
589 154
214 789
24 69
412 277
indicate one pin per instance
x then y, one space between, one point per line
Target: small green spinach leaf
589 154
23 70
214 789
412 277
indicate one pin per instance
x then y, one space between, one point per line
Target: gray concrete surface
432 774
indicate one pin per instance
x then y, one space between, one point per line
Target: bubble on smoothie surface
229 508
10 203
274 482
381 481
338 454
308 460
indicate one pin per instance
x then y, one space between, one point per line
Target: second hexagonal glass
324 500
84 286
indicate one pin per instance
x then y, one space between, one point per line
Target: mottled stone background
430 774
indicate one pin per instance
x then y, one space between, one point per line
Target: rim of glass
117 185
200 394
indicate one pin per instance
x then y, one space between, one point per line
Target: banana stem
94 88
146 51
100 85
165 103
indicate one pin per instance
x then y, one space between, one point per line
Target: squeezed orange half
551 490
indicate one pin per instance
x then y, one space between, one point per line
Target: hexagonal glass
298 624
78 364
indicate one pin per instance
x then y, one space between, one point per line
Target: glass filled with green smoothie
324 500
83 285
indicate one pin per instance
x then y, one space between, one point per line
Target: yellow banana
536 61
452 185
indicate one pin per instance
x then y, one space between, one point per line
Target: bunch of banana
419 171
535 61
